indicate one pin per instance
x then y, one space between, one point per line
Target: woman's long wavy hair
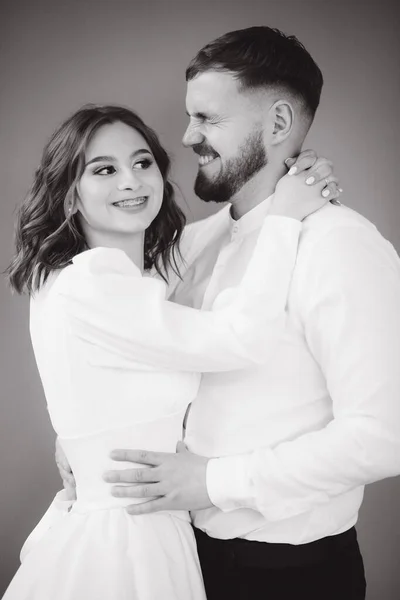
48 237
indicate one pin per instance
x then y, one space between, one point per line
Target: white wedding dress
119 366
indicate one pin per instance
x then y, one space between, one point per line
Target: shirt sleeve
109 303
352 327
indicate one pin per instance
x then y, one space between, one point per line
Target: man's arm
352 325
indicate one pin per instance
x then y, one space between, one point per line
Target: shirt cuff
227 483
234 482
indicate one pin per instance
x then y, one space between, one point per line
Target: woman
120 364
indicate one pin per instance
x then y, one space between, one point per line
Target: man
277 457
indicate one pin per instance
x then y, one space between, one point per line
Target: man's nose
192 136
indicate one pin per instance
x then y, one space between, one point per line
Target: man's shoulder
331 219
339 238
337 225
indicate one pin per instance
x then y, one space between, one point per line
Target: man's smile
206 159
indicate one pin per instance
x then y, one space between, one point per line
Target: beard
237 171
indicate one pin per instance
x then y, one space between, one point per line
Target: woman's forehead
115 138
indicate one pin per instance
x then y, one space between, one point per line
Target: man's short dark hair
261 56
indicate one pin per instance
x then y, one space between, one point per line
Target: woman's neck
132 244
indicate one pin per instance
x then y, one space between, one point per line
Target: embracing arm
352 327
109 303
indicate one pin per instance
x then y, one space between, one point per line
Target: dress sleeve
108 303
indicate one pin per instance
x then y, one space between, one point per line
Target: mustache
204 150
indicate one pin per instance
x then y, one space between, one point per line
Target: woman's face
121 188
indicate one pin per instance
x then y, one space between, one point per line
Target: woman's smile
130 204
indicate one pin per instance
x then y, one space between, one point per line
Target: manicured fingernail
310 180
292 171
336 202
341 190
326 193
287 160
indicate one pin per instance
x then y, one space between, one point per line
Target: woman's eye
145 163
105 170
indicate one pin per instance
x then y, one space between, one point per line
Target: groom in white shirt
277 457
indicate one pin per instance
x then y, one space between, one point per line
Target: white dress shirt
295 440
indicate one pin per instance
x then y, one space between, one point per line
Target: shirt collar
251 220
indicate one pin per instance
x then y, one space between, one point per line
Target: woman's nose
129 180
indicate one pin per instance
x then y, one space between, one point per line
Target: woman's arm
109 303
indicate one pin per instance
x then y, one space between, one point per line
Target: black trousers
328 569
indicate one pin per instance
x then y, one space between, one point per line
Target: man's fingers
62 464
70 492
138 456
152 490
148 507
68 479
61 459
66 474
132 476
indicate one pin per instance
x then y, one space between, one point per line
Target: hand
171 481
65 472
300 194
308 161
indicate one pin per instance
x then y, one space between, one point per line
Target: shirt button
235 231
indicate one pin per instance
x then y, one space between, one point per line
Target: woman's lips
131 202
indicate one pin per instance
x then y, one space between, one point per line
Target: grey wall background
56 56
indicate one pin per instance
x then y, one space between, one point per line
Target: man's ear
282 117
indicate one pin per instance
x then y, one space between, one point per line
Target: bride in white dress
119 364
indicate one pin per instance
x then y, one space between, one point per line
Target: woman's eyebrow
112 158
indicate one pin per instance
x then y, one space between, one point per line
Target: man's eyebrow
112 158
198 115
